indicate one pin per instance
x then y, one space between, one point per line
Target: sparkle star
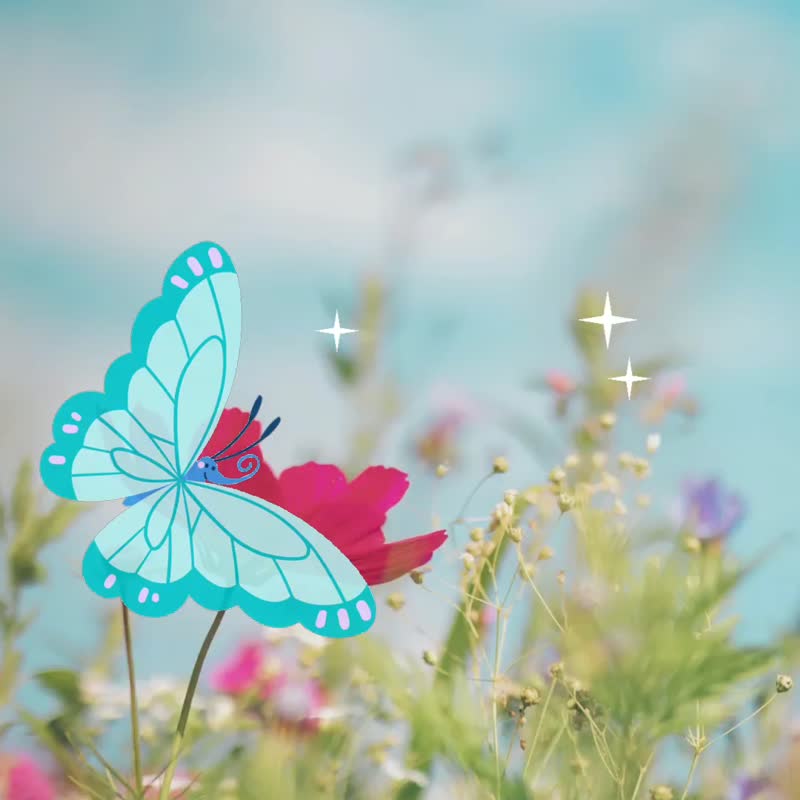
337 331
629 379
608 320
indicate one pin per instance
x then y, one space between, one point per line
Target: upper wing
225 548
164 398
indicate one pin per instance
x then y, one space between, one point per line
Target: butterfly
185 533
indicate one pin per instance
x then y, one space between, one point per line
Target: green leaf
53 524
64 684
23 502
345 367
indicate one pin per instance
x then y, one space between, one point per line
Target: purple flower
748 788
709 512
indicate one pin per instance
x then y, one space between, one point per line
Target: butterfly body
185 533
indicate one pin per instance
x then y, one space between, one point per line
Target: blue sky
131 132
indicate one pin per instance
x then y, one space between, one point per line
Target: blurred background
448 176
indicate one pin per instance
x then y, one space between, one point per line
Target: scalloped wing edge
159 600
90 405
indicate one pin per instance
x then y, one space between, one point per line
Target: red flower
350 514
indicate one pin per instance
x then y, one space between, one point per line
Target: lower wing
224 548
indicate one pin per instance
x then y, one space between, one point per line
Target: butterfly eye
214 467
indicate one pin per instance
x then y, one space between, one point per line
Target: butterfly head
207 468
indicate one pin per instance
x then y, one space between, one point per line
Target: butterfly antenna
270 428
253 413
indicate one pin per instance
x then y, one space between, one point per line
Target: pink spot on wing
216 257
57 460
143 594
110 581
156 597
195 266
344 619
76 416
69 428
322 618
179 282
364 611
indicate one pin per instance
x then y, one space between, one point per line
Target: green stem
137 746
689 777
183 720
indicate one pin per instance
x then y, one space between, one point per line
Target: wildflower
783 683
476 534
557 476
749 788
242 671
530 697
565 502
515 534
561 384
510 497
442 470
661 792
24 779
399 773
709 512
350 514
500 465
572 461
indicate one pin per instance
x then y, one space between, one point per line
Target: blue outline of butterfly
186 534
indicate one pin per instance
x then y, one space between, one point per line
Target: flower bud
500 465
429 657
476 534
599 459
653 442
608 420
417 576
572 461
565 502
545 554
510 496
661 792
783 684
530 697
469 561
691 544
557 475
556 670
515 534
442 470
395 601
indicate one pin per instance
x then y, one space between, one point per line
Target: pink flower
242 672
560 383
25 780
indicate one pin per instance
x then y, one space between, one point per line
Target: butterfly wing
225 548
164 398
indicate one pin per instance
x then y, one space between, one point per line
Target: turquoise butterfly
186 534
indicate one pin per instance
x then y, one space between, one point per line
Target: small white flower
653 442
221 711
297 633
397 772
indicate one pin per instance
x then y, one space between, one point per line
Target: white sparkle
608 320
629 379
337 331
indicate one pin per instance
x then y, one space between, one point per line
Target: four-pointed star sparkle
608 320
337 331
629 379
